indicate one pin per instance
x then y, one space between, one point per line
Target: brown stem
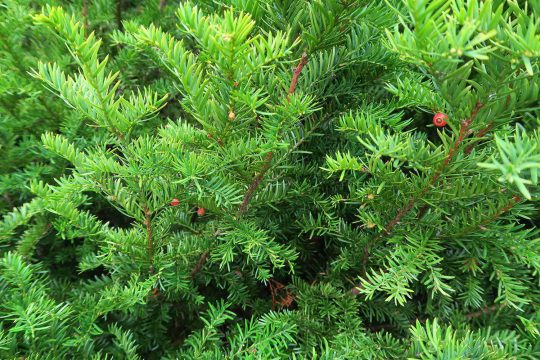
485 310
266 165
296 73
200 263
273 294
85 17
268 159
479 135
463 130
148 223
484 131
254 184
162 4
422 211
118 15
451 153
515 199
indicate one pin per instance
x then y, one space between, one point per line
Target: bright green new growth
338 222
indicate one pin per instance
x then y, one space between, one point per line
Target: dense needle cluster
283 179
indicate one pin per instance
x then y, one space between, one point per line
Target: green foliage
261 180
433 341
518 157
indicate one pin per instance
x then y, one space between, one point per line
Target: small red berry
201 211
209 135
439 119
175 202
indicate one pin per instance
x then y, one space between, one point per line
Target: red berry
175 202
439 119
201 211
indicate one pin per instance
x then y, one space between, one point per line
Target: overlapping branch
413 199
262 172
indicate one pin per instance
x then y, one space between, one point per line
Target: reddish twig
155 292
467 151
513 201
463 130
422 211
484 131
284 300
274 290
85 17
268 159
202 260
254 184
296 73
266 165
479 135
200 263
451 153
484 311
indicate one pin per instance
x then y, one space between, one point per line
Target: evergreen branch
422 211
462 133
483 132
410 204
296 73
255 184
268 159
304 138
513 201
229 71
479 135
451 153
266 166
467 151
